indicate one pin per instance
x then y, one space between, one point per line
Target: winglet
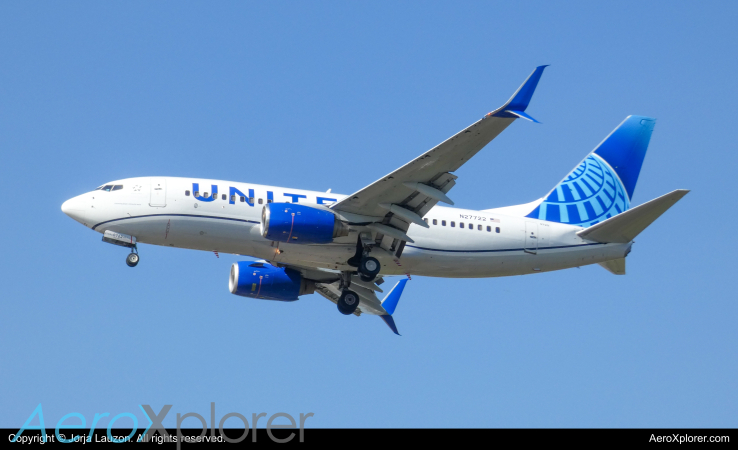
515 107
390 304
390 323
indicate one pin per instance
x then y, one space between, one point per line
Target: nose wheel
132 259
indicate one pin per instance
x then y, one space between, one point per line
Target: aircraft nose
75 208
67 207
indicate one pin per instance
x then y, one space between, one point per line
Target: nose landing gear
123 240
132 258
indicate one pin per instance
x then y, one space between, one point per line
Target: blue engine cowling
300 224
262 280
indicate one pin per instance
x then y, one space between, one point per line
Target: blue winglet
517 104
390 323
390 304
390 301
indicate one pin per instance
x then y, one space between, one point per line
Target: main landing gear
132 258
368 268
349 300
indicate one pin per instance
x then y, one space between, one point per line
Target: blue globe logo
590 194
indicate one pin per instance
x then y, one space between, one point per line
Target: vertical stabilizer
602 185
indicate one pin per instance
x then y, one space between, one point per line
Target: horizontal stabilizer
614 266
624 227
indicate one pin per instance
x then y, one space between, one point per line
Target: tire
367 278
132 259
348 302
369 266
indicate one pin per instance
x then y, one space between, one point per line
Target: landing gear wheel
369 268
348 302
132 259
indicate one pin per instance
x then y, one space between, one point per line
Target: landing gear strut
132 258
367 266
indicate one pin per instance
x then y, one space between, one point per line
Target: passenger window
187 193
479 227
223 196
426 221
243 199
261 201
453 224
497 229
489 228
461 224
233 198
443 223
269 200
435 222
206 195
197 193
251 200
117 187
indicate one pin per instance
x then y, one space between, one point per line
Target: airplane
342 246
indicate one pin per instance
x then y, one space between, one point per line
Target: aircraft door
531 237
544 236
158 192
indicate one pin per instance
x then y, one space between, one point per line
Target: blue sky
334 95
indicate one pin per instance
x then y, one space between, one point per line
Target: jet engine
262 280
300 224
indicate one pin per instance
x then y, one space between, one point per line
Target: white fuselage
228 224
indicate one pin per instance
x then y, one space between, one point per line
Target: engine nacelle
262 280
300 224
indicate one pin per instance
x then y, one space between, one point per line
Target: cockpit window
107 187
99 188
117 187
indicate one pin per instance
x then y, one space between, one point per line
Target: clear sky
334 95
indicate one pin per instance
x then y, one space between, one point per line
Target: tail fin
602 185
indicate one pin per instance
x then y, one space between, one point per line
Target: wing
369 303
328 282
407 194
